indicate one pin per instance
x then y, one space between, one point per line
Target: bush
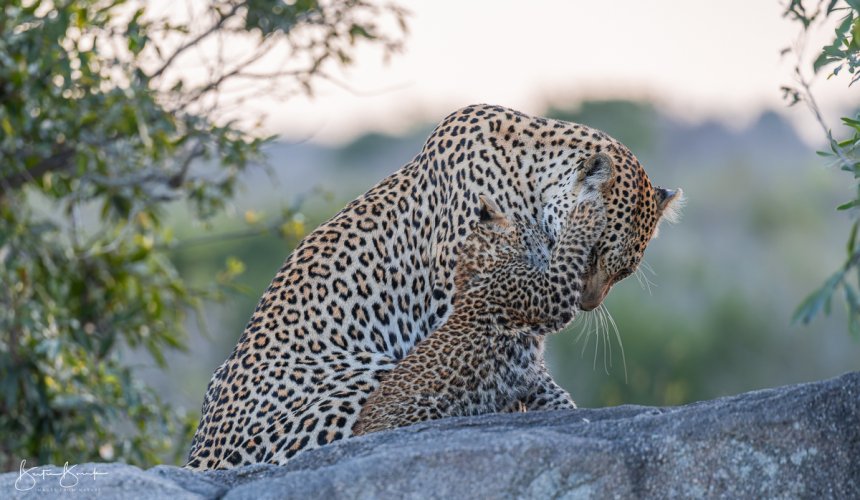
101 131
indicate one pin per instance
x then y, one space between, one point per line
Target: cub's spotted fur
365 287
488 356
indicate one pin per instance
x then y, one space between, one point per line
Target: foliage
840 56
111 113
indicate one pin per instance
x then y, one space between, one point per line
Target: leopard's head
634 209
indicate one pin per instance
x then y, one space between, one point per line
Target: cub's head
496 249
634 209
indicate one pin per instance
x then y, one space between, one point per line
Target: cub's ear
597 173
669 203
490 213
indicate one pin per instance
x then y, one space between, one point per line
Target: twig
809 98
194 41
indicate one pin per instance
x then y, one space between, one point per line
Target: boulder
800 441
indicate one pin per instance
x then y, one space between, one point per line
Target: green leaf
854 125
854 325
358 31
851 298
6 126
847 21
834 52
852 239
818 300
853 304
822 60
850 204
137 14
855 34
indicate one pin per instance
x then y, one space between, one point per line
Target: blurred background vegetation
142 215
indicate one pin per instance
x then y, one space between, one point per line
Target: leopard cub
513 287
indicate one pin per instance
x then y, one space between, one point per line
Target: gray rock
800 441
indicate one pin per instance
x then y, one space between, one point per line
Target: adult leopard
364 287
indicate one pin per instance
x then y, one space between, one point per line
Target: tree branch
194 41
58 161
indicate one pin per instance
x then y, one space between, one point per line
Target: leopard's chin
589 306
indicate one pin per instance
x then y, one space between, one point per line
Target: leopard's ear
490 213
597 172
669 203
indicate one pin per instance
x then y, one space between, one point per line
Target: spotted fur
488 356
365 287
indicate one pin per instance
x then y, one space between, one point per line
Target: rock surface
800 441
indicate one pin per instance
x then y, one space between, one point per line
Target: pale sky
695 59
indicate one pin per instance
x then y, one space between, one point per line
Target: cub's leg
548 395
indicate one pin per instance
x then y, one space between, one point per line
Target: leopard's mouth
592 301
595 290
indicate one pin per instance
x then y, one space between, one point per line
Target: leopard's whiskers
597 329
641 276
645 265
584 330
607 344
617 337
